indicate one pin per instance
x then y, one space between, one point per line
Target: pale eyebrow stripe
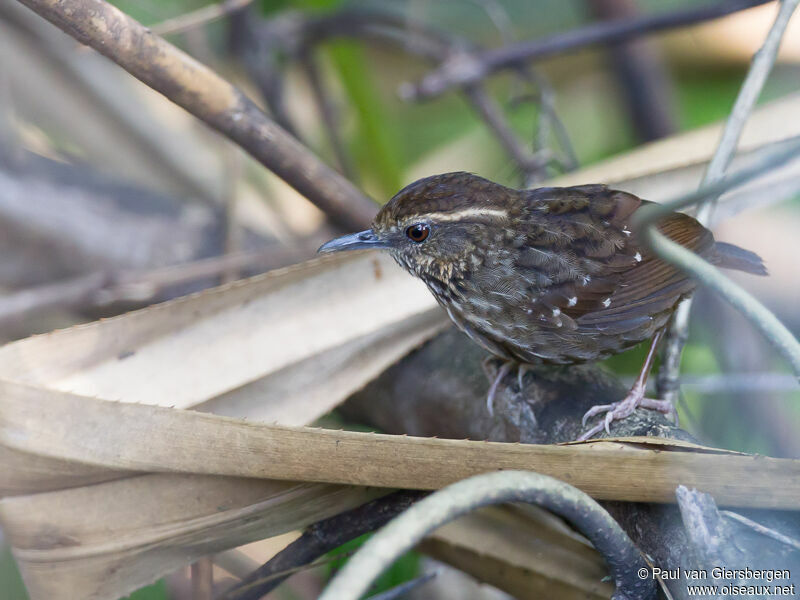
497 213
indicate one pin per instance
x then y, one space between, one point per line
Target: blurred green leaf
10 579
404 569
707 95
375 144
156 591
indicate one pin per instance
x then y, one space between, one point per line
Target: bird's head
438 227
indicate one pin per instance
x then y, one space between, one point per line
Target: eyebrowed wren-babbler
549 275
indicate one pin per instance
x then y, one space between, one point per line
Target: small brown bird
550 275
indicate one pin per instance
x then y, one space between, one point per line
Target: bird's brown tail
728 256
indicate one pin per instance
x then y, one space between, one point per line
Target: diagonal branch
458 73
294 37
327 112
210 98
763 318
677 334
320 538
100 288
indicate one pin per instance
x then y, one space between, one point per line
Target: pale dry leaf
505 548
142 438
286 346
352 314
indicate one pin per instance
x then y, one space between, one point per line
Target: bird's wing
652 285
585 266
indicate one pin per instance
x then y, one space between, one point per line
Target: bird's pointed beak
363 240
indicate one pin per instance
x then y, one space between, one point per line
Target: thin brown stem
203 579
198 18
491 113
233 232
327 111
100 289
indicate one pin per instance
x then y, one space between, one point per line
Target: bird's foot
496 369
498 377
616 411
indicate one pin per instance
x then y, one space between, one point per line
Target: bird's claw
616 411
501 373
522 369
596 410
589 434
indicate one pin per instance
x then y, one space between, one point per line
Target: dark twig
100 289
491 113
534 167
408 529
407 34
458 74
203 93
261 46
320 538
432 45
642 80
328 113
294 37
548 121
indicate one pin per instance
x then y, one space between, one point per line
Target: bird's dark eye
418 232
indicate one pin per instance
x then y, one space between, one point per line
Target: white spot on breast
572 301
586 280
626 231
637 257
607 302
556 312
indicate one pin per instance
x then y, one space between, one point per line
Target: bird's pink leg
635 398
501 373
